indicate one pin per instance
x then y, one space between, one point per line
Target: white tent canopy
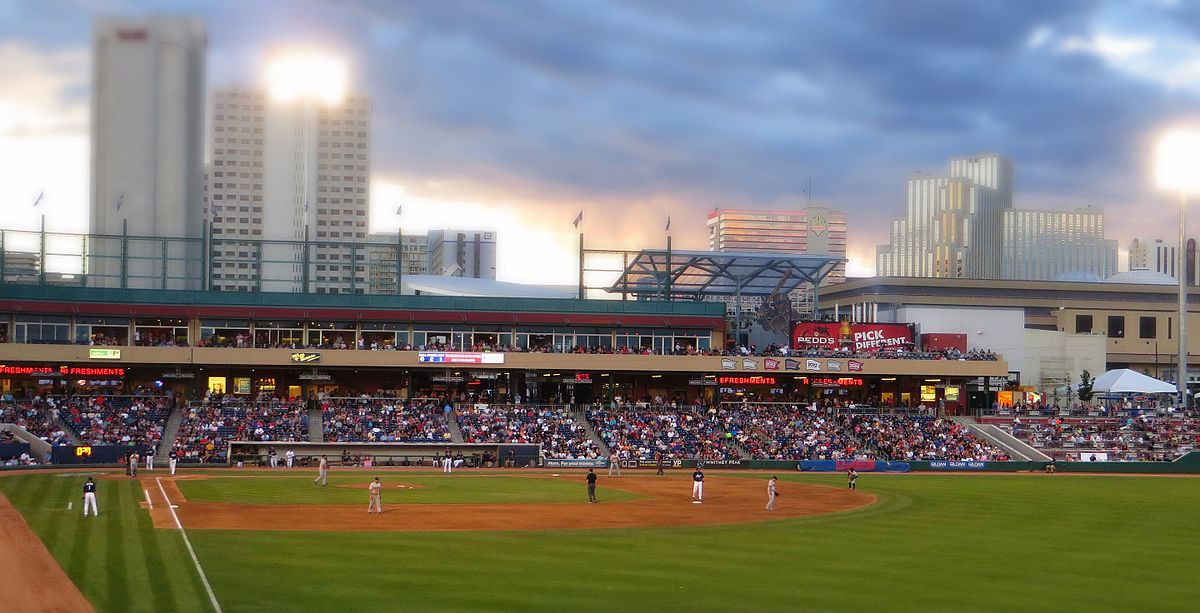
1126 381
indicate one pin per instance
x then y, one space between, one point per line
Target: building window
1083 324
1116 326
1147 327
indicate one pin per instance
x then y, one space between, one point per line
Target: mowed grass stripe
119 560
431 489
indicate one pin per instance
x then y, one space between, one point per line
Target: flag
39 198
399 208
578 218
668 228
120 200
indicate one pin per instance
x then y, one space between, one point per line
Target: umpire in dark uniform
591 483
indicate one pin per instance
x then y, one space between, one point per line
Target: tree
1085 386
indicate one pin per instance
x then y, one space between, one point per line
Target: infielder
852 479
291 457
614 465
376 501
698 485
89 497
772 493
171 459
322 473
150 459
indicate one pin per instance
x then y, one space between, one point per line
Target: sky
514 116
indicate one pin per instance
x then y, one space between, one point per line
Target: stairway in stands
580 415
452 423
316 426
1016 448
170 430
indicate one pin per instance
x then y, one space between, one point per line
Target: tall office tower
811 230
1047 245
381 260
1162 257
293 169
952 225
147 152
462 253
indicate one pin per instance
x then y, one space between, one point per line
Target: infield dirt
665 502
30 578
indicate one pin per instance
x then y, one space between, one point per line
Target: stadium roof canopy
657 273
438 285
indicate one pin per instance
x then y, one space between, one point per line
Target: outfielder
614 465
171 459
772 493
376 501
89 497
322 473
698 485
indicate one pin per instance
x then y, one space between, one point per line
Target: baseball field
492 540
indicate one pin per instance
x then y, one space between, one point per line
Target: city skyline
482 115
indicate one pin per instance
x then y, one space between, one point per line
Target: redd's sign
813 335
863 337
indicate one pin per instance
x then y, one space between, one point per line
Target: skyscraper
811 230
147 151
1046 245
462 253
951 226
294 170
1162 257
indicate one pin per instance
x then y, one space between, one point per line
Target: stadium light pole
1178 169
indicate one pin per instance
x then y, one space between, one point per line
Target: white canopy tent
1126 381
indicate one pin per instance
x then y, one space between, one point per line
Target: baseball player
172 458
376 501
322 473
150 459
658 461
698 485
291 458
133 464
772 493
89 497
273 458
447 462
852 478
614 465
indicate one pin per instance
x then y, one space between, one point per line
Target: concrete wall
1051 354
995 329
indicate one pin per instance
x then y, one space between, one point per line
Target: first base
697 502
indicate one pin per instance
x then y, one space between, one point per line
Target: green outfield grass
932 543
119 560
430 489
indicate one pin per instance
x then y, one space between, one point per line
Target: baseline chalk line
204 578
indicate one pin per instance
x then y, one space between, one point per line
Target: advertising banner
957 465
448 357
862 466
863 337
575 463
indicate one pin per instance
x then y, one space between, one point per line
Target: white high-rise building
290 170
810 230
951 226
1048 245
381 260
147 152
462 253
1162 257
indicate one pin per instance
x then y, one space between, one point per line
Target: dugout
475 455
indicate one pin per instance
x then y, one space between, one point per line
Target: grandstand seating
35 416
554 427
1132 438
688 432
207 427
383 420
116 420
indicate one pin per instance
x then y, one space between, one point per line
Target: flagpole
42 261
581 294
